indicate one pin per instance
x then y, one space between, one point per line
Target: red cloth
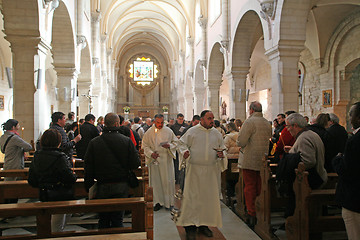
252 182
285 138
132 138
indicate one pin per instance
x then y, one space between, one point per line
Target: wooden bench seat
140 207
24 173
308 221
122 236
21 189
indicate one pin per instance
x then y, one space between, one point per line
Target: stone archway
63 49
215 78
248 33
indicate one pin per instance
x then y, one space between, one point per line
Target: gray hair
297 118
334 118
256 106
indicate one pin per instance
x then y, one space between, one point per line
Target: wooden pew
231 173
267 201
141 209
21 189
308 221
24 173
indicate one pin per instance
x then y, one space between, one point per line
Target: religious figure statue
223 108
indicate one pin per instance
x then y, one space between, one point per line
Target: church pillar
284 74
203 23
83 90
28 58
189 105
199 99
95 34
190 42
213 98
237 82
66 83
81 39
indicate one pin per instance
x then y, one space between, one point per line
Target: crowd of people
192 154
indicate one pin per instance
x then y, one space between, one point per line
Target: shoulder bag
131 177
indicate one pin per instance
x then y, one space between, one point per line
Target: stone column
66 83
103 61
284 75
199 99
95 33
237 82
213 98
83 90
203 23
24 50
189 105
81 39
190 42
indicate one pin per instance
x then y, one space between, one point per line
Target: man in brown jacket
253 139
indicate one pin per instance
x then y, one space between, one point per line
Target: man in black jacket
347 166
108 159
58 123
179 129
88 131
338 138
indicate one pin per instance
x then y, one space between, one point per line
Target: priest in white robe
202 149
159 144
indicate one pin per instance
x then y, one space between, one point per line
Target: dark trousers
112 190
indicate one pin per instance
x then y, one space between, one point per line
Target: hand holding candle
282 140
78 123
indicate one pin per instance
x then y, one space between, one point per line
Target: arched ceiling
163 24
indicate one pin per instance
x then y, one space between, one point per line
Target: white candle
156 130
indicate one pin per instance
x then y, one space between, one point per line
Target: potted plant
126 109
165 109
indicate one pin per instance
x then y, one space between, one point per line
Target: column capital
213 86
26 43
190 40
81 41
66 71
286 48
202 22
95 17
103 37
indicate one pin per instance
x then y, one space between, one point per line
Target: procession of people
187 156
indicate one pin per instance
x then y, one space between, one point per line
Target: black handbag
131 177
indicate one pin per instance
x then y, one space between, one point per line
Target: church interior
138 58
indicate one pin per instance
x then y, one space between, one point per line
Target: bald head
112 120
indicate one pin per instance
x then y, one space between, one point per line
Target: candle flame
22 129
156 130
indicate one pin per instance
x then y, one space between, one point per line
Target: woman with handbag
13 146
51 173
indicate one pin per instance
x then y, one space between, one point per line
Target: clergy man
159 144
202 149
